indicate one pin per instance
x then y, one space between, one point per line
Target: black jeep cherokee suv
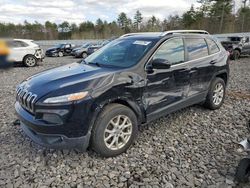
101 101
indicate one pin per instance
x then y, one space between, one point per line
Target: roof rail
185 31
141 33
166 33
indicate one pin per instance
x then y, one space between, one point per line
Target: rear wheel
30 61
236 54
114 131
216 94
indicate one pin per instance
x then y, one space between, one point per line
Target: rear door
201 65
67 49
18 50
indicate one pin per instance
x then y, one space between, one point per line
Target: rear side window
172 51
17 44
212 46
197 48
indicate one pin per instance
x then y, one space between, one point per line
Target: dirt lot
194 147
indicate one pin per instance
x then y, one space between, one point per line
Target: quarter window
212 46
172 51
196 47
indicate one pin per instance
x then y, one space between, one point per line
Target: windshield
86 45
121 53
59 45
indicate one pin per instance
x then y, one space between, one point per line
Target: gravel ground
194 147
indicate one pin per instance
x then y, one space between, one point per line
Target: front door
166 87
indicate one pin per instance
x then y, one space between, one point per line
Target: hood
81 49
52 49
68 79
75 49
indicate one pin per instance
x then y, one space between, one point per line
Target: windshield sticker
140 42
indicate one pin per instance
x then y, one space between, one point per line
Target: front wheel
30 61
84 55
114 131
60 54
216 94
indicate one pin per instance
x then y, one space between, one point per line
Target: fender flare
139 112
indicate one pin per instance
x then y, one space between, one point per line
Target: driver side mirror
160 64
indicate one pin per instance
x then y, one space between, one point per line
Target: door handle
213 62
193 70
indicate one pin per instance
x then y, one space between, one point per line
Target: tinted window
172 51
212 46
196 48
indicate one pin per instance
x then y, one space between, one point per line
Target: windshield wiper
93 63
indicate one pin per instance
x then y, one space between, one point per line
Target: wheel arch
27 56
98 108
238 49
223 76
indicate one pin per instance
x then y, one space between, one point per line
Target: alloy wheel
218 94
30 61
118 132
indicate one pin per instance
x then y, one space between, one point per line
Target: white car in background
25 51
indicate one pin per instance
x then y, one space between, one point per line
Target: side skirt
177 106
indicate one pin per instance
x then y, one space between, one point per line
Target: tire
30 61
104 128
215 100
243 171
84 55
60 54
236 54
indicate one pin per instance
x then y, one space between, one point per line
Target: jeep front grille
26 99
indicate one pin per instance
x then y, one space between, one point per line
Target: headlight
66 98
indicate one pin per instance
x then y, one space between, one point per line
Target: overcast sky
16 11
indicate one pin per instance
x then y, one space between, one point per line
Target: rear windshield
121 53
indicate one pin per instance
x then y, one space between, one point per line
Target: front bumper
51 54
64 135
56 141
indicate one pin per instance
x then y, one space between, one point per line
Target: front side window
212 46
171 51
121 53
197 48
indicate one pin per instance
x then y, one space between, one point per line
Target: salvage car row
30 54
82 51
